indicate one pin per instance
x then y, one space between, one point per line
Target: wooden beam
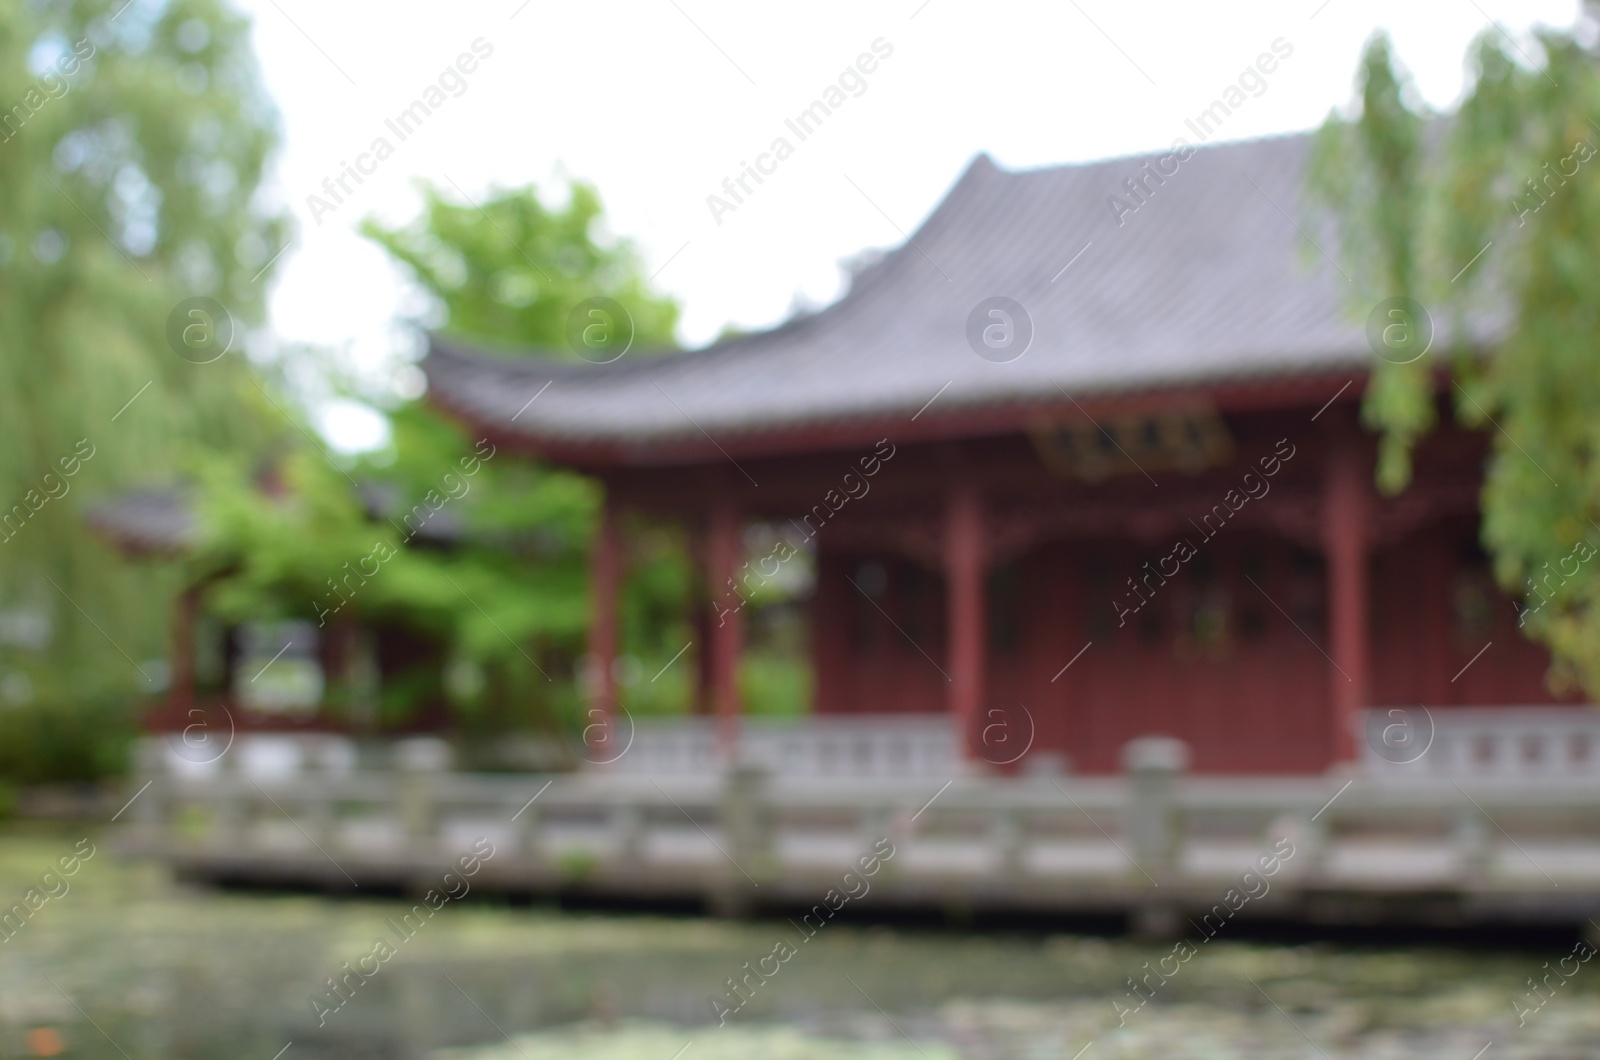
837 432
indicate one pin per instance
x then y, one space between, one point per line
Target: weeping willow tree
132 144
1490 217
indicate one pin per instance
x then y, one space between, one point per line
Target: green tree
132 145
506 274
507 588
1491 218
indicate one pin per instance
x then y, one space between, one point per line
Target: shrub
58 741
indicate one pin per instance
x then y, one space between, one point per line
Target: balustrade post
527 825
875 825
232 802
1008 836
317 798
420 765
151 810
745 818
1471 838
1153 823
320 815
627 822
1311 847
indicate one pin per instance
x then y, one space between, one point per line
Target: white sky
657 101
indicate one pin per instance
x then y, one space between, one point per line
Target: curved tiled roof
166 521
149 521
1211 281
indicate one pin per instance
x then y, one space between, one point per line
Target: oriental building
1108 474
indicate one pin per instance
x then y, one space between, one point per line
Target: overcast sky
657 102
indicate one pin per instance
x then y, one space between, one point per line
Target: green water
128 962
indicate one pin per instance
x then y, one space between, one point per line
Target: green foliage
131 152
276 546
1512 176
505 273
74 739
1381 195
775 683
480 548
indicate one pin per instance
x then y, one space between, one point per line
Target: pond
118 959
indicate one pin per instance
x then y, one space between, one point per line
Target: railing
1535 743
875 746
817 746
1152 842
253 754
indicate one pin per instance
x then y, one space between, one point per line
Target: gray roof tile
1210 281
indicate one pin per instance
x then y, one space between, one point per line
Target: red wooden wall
1434 608
1211 658
864 664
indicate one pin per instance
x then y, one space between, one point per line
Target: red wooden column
965 557
724 553
702 619
185 614
1346 532
701 625
605 580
